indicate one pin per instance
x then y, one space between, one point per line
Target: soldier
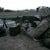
48 31
45 36
38 32
41 28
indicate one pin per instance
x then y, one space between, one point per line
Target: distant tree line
3 10
42 10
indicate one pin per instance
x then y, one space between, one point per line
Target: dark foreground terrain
20 42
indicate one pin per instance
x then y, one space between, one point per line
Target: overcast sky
23 4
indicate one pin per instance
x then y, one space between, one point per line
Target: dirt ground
19 42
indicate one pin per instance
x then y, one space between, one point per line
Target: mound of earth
19 42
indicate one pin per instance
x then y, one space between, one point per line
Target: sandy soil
19 42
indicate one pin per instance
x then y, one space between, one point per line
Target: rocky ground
19 42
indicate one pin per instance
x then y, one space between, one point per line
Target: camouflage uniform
48 31
41 29
46 39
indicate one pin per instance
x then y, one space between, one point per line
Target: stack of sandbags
2 32
13 31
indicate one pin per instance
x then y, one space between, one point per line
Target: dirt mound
20 42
